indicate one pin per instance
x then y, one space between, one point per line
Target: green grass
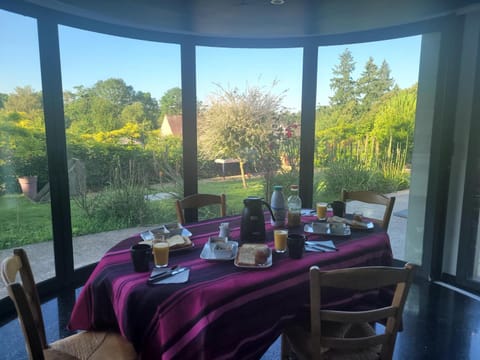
233 189
25 222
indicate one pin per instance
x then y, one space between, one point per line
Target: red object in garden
28 184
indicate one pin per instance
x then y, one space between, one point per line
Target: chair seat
301 342
91 345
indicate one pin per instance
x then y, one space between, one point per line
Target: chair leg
285 348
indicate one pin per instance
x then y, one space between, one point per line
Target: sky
87 57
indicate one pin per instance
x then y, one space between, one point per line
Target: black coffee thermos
252 226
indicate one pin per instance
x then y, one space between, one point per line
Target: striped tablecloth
222 312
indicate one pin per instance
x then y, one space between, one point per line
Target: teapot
252 226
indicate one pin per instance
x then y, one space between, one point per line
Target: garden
362 142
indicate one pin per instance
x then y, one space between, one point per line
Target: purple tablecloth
222 312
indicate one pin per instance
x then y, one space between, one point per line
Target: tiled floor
439 324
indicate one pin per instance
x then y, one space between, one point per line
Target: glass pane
124 165
24 198
365 123
248 121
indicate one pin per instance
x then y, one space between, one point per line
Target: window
248 121
24 197
365 125
124 162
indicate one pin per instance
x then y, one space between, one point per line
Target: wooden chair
371 197
84 345
348 334
196 201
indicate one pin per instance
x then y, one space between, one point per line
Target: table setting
222 289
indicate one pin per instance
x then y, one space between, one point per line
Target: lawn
25 222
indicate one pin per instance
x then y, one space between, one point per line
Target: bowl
338 228
222 250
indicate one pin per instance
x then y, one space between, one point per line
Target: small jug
224 230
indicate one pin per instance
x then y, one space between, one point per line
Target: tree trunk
242 172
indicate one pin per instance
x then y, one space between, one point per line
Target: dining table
223 311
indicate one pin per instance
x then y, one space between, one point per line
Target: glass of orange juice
280 240
322 210
160 254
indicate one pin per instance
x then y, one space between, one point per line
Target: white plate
149 234
208 254
324 229
172 250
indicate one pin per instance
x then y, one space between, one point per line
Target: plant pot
28 184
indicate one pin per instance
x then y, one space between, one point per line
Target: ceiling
258 19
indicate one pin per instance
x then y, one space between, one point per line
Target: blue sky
155 67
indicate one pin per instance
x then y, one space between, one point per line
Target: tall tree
368 85
24 99
3 99
342 82
114 90
373 83
386 81
171 102
150 107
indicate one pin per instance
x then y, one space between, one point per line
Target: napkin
308 212
175 279
328 246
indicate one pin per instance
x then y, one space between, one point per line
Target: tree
342 82
368 85
3 99
115 91
373 83
90 114
24 99
150 107
386 81
108 106
241 126
394 118
171 102
135 113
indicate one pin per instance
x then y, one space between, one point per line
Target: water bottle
277 204
294 204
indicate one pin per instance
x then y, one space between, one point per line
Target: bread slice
178 241
248 254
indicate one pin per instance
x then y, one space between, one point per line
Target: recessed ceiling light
277 2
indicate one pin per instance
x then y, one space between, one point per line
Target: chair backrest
27 303
372 197
359 279
196 201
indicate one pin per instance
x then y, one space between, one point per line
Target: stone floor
439 324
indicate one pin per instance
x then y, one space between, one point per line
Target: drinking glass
280 240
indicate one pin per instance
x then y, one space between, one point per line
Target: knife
166 274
